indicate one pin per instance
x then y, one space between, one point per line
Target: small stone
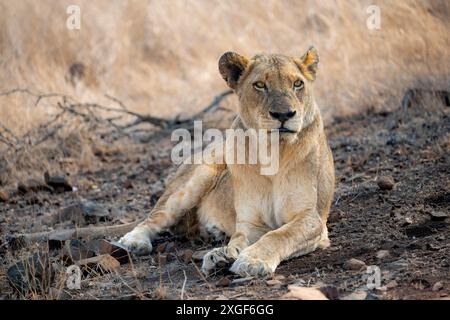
241 281
58 183
101 264
354 264
391 285
224 282
33 274
222 297
274 282
186 255
161 247
438 215
198 255
279 277
93 211
165 258
335 216
4 196
386 183
128 184
438 286
382 254
170 247
304 293
116 250
331 292
33 185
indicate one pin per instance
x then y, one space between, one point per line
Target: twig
21 240
184 285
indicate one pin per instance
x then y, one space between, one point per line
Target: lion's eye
298 84
259 85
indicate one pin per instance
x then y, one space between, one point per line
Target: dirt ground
404 230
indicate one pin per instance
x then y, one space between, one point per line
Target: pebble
386 183
438 286
4 196
383 254
354 264
274 282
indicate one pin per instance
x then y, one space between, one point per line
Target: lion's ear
231 67
309 62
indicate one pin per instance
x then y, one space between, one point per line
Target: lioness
269 218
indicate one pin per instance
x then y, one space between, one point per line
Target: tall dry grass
160 56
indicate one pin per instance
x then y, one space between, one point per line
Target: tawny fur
269 218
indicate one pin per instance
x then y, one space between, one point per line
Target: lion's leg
298 237
245 235
182 194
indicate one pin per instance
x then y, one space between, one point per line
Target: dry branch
22 240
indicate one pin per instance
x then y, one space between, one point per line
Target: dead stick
21 240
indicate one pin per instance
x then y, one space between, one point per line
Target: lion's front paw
215 258
137 242
246 266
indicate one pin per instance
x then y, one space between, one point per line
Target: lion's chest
269 201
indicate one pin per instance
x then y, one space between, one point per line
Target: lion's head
275 91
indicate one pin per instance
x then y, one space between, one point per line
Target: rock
398 264
224 282
161 248
241 281
186 256
93 212
438 215
4 196
382 254
170 247
331 292
391 285
386 183
335 216
58 183
100 264
304 293
354 264
83 212
33 185
221 297
279 277
128 184
33 274
437 286
274 283
72 213
116 250
198 255
165 258
356 295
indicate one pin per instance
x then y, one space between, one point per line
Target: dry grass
160 57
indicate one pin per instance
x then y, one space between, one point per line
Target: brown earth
408 219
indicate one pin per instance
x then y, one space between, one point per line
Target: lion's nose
283 116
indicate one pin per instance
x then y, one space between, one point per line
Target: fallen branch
25 239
